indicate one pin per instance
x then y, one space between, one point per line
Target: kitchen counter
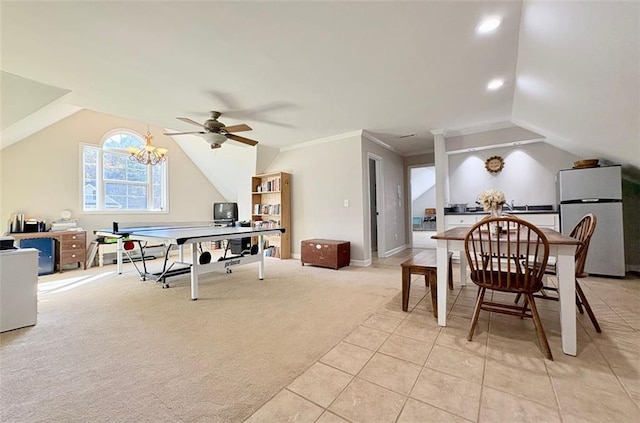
505 212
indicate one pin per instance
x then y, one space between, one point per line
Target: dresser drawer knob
73 255
73 246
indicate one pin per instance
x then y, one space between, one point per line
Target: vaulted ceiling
303 71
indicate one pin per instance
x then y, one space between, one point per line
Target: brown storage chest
326 253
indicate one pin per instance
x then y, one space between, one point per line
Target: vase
496 212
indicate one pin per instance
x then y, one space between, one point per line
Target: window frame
101 182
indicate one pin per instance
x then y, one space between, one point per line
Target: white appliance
595 190
18 288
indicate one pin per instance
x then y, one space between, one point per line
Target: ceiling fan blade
237 128
183 133
191 121
242 139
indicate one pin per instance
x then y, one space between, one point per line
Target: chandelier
148 155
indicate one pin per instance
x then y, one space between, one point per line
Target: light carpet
118 349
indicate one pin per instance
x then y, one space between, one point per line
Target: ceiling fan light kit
216 133
214 138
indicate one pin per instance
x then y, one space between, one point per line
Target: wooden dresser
326 253
71 246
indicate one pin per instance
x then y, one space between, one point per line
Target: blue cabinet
46 253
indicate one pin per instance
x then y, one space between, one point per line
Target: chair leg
542 338
586 305
579 303
517 298
476 313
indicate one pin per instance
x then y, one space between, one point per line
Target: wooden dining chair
583 231
512 260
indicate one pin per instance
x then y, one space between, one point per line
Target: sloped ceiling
302 71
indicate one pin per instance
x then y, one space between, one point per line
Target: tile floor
402 367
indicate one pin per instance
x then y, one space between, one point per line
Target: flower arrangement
491 199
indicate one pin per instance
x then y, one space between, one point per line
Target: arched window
112 181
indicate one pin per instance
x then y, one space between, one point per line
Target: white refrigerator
595 190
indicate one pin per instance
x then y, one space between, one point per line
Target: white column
442 176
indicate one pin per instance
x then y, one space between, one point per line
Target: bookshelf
271 207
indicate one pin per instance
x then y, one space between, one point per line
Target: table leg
194 270
443 267
433 288
261 262
567 292
463 268
119 251
406 287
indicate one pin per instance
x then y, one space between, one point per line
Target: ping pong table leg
119 251
261 262
194 271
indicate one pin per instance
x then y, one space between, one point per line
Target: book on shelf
266 209
271 185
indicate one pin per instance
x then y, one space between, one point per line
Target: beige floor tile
365 402
393 310
531 359
391 373
382 322
418 330
286 407
457 396
596 375
530 384
367 337
456 339
499 406
456 363
347 357
407 349
329 417
422 315
583 403
321 384
416 411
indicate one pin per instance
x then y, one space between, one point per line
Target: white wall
323 175
40 175
528 176
393 208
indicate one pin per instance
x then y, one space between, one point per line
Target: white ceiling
302 71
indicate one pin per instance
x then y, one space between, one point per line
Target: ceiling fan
215 132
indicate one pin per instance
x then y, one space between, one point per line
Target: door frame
410 200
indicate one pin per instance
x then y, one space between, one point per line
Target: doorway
422 185
373 205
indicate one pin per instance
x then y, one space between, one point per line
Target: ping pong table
189 234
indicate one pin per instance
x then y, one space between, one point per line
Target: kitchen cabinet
543 220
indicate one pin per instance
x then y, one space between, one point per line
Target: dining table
562 247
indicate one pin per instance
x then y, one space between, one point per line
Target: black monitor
225 212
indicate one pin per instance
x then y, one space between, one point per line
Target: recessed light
495 84
488 25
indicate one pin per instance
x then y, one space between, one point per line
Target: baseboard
633 268
395 250
360 263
